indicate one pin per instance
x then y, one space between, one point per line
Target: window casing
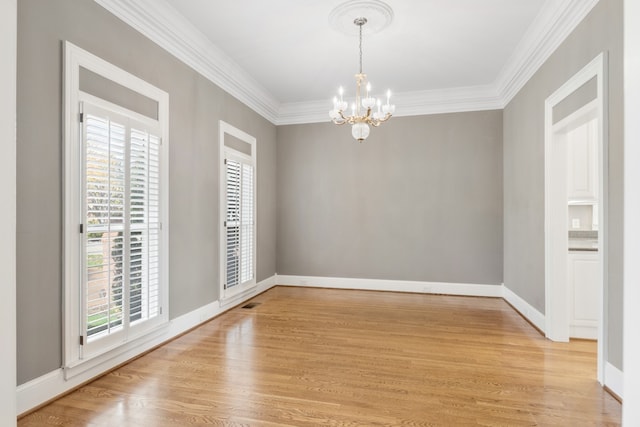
115 219
238 213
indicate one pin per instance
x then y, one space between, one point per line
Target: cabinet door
584 295
582 177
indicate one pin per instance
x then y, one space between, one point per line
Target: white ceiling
289 47
283 58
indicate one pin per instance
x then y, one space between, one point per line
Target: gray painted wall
524 166
196 105
111 91
420 199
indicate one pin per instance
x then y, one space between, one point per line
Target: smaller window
238 211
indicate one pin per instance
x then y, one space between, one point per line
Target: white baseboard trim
526 309
249 293
463 289
46 387
585 332
466 289
614 379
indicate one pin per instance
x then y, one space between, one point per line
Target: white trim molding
454 100
614 379
8 83
554 23
631 337
161 23
47 387
462 289
527 311
239 298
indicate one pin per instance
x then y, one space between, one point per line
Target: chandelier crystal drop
362 110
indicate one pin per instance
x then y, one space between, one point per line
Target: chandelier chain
360 25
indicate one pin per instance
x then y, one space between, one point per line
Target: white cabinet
584 294
582 180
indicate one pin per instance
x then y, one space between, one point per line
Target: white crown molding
161 23
556 20
166 27
418 103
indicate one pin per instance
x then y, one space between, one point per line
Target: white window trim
228 296
74 59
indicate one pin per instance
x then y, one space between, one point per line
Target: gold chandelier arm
343 119
378 122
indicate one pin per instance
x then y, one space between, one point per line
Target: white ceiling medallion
379 16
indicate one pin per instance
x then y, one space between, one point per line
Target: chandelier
362 110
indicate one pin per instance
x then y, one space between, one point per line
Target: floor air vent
251 305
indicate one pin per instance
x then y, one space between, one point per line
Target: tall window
116 195
238 211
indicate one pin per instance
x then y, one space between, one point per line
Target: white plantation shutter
233 223
104 207
144 225
246 223
122 227
240 224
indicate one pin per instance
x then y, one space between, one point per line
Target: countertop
582 241
583 245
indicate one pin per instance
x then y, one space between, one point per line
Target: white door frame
8 53
631 407
556 240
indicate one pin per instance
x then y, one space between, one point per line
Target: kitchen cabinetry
584 294
582 182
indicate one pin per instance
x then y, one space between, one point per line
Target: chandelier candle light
362 113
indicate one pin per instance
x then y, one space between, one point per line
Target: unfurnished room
320 213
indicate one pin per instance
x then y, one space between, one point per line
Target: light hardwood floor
319 357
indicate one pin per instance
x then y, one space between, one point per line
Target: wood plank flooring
319 357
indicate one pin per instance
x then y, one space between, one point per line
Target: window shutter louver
239 222
246 233
104 252
233 223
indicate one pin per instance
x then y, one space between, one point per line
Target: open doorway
576 209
